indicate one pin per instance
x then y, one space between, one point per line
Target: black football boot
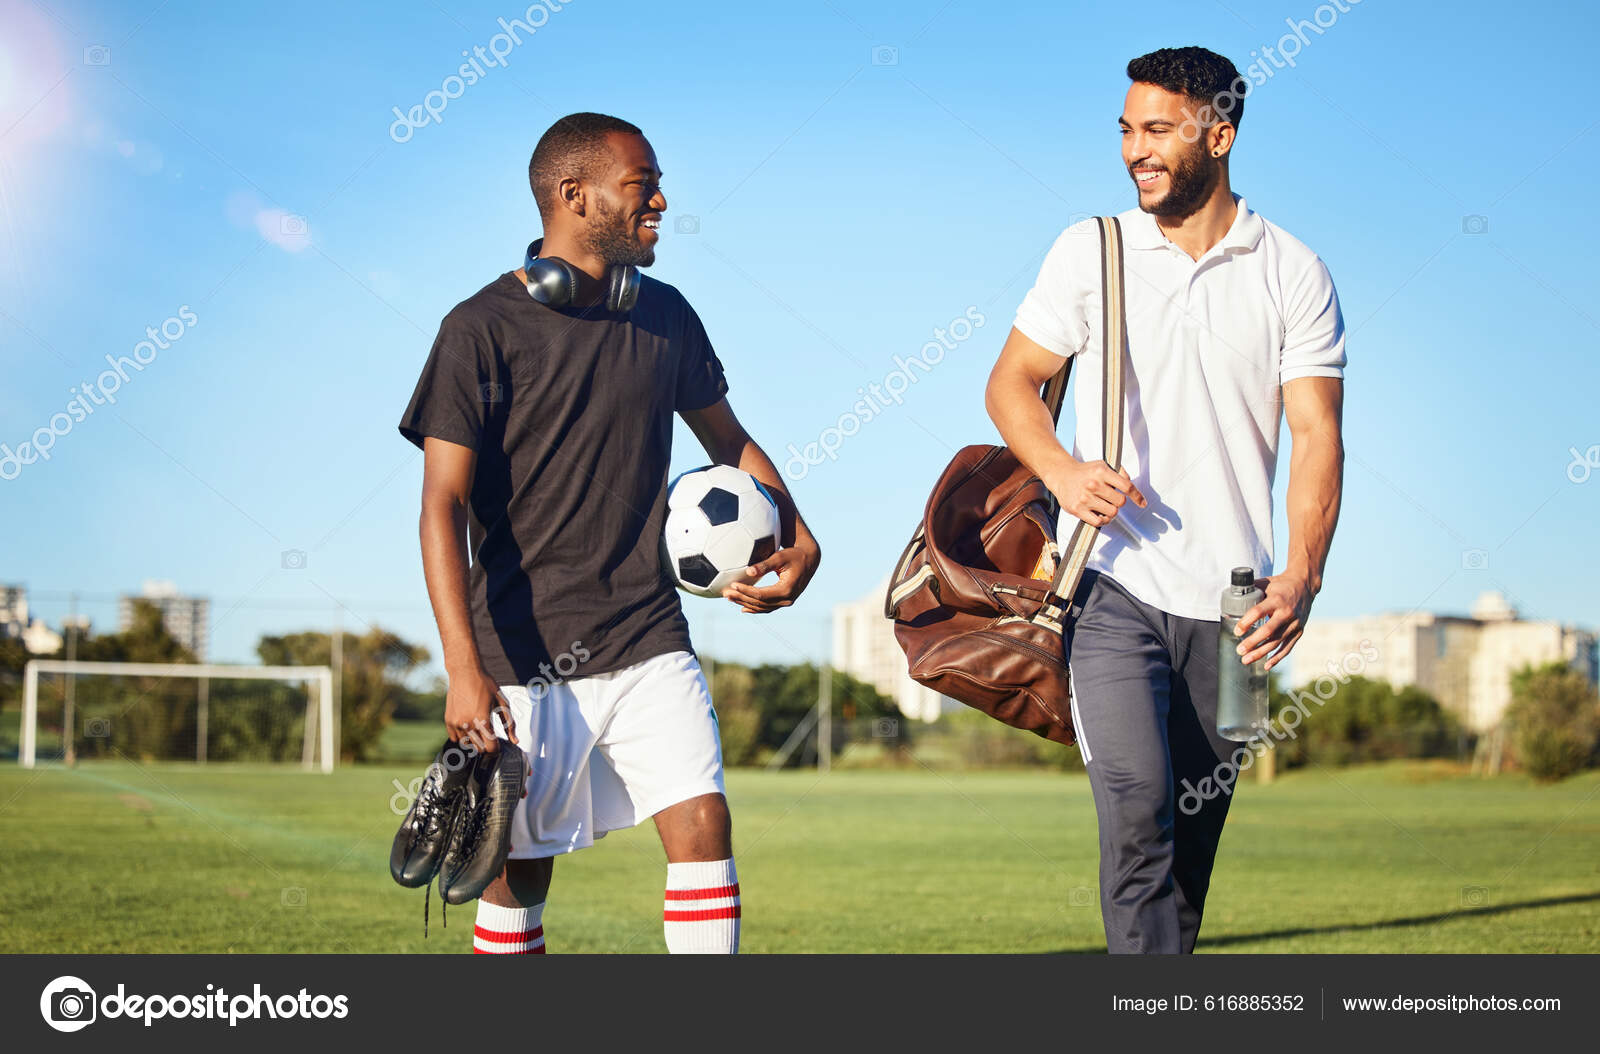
424 835
476 853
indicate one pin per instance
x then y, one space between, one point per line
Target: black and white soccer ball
720 521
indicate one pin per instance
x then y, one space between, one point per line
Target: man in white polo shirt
1230 321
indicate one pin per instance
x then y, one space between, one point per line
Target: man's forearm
749 457
444 566
1316 483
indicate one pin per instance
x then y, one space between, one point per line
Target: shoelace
444 909
433 809
471 826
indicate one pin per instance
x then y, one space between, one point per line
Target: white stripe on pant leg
1077 719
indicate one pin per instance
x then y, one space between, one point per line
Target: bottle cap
1244 576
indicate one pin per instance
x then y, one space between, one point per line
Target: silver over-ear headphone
553 281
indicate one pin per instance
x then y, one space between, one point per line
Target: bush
1554 720
1364 720
738 715
759 707
967 739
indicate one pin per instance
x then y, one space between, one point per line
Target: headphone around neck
553 281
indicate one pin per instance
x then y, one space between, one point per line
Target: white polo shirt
1210 342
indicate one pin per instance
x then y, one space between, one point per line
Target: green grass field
120 857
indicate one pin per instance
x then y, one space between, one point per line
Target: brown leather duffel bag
975 607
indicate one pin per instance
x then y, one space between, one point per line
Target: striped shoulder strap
1114 333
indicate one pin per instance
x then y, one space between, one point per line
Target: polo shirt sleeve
453 393
1313 328
1052 315
700 378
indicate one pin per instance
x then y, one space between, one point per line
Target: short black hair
574 145
1198 73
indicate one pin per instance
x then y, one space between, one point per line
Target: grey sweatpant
1144 687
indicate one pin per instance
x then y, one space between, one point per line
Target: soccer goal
177 711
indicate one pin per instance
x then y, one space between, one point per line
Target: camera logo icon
293 559
686 224
97 55
68 1004
492 392
886 728
97 728
1474 559
885 55
1474 224
1474 896
292 225
1081 896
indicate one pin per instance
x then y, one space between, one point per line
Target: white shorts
612 750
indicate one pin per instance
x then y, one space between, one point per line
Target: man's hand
1093 493
794 565
1286 607
471 698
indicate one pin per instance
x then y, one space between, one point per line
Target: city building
13 610
1465 662
864 647
188 619
17 624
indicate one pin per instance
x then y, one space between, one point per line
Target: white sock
508 931
701 914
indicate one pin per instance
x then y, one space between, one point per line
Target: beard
614 237
1192 182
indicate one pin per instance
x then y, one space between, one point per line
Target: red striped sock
508 931
702 908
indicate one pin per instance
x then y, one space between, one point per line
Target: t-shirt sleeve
1313 328
453 393
1052 313
700 378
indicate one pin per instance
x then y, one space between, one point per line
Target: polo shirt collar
1139 230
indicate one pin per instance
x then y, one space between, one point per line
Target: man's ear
1220 138
570 193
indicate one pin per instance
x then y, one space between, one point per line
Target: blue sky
858 175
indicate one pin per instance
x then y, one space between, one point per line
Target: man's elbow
440 508
991 395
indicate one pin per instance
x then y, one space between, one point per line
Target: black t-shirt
570 412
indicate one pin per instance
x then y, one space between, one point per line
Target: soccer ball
719 522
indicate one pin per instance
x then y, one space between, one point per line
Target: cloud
287 230
284 229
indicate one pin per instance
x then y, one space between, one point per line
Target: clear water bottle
1241 689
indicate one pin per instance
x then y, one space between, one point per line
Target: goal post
318 749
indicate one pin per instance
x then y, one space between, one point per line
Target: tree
139 717
738 713
1360 720
758 709
1554 720
13 657
376 667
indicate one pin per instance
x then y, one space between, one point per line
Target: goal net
153 711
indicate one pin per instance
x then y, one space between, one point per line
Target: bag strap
901 587
1074 557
